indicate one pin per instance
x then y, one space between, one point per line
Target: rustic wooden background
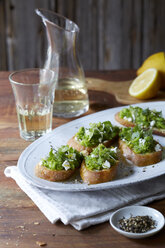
114 34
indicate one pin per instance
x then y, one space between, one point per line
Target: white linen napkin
83 209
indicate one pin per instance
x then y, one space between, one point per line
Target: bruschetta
145 118
59 165
86 139
53 175
100 166
138 146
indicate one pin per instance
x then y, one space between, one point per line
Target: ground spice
137 224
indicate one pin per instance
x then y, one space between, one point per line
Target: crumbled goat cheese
141 125
158 148
87 132
66 165
133 117
106 165
114 149
102 134
111 129
84 152
142 142
40 163
128 119
93 156
73 156
105 141
152 123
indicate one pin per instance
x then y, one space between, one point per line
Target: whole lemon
156 61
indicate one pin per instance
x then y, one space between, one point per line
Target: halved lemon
146 85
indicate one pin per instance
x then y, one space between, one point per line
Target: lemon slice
146 85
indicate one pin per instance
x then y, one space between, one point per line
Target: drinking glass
34 96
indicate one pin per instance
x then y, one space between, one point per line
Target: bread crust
139 159
131 124
123 121
52 175
95 177
159 132
72 142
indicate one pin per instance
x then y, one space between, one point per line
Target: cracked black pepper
137 224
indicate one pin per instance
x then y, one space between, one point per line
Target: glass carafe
71 95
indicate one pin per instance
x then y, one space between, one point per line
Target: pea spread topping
139 140
101 158
143 117
65 158
97 133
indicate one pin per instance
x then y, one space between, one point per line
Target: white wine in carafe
71 98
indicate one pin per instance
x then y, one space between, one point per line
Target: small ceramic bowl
127 212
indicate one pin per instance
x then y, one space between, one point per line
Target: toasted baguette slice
94 177
127 123
86 150
139 159
52 175
123 121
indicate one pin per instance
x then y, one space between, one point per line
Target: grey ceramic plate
59 136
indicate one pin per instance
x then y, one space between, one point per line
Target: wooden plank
120 41
136 34
86 18
160 26
66 8
111 39
83 12
25 35
113 34
126 34
100 35
119 90
3 60
148 27
153 21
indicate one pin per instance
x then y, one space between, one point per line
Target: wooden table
21 222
